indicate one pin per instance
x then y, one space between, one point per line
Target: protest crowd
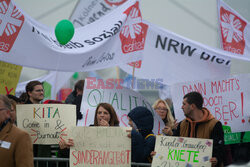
201 120
199 123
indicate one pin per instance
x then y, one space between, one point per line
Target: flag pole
117 72
133 76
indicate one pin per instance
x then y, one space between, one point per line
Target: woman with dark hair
105 115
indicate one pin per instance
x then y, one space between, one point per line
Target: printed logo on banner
136 64
11 21
115 2
232 30
133 33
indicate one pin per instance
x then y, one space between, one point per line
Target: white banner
122 99
226 98
175 59
87 12
234 30
56 80
105 43
46 123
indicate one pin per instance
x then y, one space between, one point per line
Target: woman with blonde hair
161 107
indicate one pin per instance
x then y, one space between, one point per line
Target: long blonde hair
169 119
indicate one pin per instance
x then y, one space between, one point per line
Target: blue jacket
143 140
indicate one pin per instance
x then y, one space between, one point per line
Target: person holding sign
35 93
15 144
105 115
143 139
163 110
200 123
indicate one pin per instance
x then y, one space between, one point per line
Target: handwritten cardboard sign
46 123
9 77
100 146
226 98
122 99
182 151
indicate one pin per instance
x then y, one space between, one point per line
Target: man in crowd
78 91
15 144
200 123
35 92
76 98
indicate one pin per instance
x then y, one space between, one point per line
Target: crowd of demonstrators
199 123
15 144
163 110
34 95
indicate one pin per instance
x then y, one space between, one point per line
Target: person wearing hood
200 123
142 138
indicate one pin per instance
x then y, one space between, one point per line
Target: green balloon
64 31
75 75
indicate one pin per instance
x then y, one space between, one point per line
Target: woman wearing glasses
162 108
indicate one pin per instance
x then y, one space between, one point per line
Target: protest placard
46 123
226 98
9 77
182 151
122 99
100 146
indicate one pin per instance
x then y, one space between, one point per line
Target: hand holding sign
64 144
183 151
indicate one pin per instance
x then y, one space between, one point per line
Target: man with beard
200 123
35 92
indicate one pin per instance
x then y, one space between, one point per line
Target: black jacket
143 140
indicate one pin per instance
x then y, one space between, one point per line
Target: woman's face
162 110
102 115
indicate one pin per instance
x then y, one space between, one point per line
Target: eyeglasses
162 109
39 90
2 109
